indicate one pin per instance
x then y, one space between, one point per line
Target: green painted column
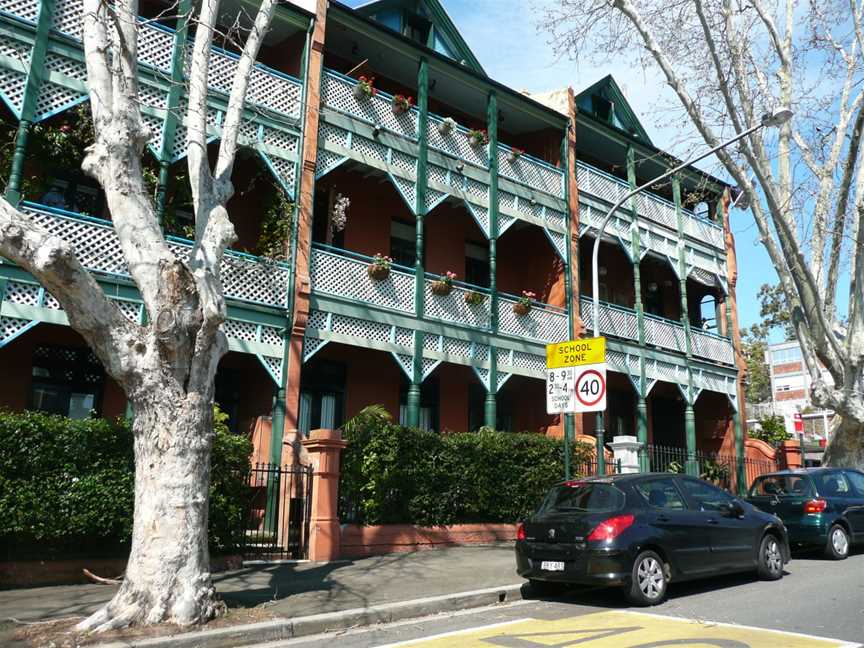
413 400
35 74
689 415
636 261
490 418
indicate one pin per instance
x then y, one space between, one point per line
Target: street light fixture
771 120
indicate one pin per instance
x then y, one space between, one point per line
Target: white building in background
790 392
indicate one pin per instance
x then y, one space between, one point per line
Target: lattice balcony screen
531 173
456 144
665 334
338 275
712 347
337 93
96 244
543 324
452 307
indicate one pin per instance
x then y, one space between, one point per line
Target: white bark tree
727 63
166 367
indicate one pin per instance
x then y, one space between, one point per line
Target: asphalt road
815 598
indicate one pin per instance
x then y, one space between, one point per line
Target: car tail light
611 528
574 483
815 506
520 532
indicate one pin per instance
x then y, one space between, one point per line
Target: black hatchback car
643 531
820 507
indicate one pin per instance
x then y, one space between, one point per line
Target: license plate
552 565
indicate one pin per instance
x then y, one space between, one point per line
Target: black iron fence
728 471
279 507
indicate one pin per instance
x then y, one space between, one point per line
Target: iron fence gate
278 512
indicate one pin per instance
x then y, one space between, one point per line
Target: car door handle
662 518
712 521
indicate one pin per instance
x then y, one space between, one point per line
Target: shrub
67 486
772 429
393 474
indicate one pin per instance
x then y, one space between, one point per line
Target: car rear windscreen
585 497
781 485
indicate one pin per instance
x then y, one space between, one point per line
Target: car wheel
837 547
647 580
546 588
770 562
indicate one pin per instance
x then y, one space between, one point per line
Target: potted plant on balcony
379 269
478 137
474 298
446 126
515 154
523 304
365 88
444 285
402 104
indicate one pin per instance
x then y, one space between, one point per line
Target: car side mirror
732 509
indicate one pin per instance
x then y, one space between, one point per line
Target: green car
820 507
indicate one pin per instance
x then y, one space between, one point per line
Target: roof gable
606 103
425 21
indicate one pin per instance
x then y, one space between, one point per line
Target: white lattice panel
275 91
540 323
555 217
26 9
407 189
452 308
22 293
310 346
666 371
68 17
11 326
664 334
326 162
54 98
618 322
339 275
559 242
285 171
523 363
530 172
703 276
597 183
712 347
155 46
12 88
246 331
405 337
287 142
657 210
130 310
705 231
456 144
273 365
361 328
271 335
459 348
248 279
656 242
17 50
337 92
481 215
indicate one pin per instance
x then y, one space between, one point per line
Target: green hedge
392 474
67 486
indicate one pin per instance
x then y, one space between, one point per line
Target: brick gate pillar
324 448
790 454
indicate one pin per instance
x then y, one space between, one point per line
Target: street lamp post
775 119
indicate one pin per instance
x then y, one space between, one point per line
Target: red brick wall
788 367
714 429
794 394
527 261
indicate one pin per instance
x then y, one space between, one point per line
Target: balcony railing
530 171
611 189
244 277
344 274
338 93
622 322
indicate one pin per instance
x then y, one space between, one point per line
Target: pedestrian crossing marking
622 629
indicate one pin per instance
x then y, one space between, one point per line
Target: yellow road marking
619 629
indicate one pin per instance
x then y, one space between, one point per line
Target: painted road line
492 627
622 629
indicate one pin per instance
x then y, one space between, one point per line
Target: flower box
402 104
379 269
477 137
523 305
444 285
474 298
514 154
364 88
446 126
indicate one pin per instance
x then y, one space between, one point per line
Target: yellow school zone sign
574 353
620 629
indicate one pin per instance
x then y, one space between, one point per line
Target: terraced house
379 132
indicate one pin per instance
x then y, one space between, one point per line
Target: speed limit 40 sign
590 388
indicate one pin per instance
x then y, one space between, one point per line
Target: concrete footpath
303 598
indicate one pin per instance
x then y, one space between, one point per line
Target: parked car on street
643 531
820 507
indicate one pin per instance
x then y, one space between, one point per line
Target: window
832 484
794 485
661 493
72 196
857 479
583 496
322 391
477 265
785 356
66 381
440 44
705 497
403 243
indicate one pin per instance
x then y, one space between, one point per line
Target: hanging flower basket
443 286
473 298
515 154
402 104
523 305
478 137
446 126
364 88
379 269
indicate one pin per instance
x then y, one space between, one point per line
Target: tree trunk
845 449
168 574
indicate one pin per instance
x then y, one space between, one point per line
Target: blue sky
503 36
